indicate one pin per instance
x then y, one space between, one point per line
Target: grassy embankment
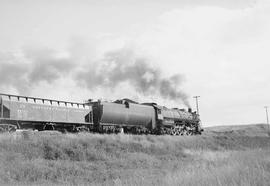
221 156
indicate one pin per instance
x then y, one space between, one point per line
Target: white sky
221 47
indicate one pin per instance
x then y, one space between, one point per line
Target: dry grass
219 157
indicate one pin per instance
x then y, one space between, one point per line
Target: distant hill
246 130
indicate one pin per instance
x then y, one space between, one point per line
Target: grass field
231 155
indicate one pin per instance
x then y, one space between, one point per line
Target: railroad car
115 116
22 112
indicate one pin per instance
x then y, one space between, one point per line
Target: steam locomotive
125 116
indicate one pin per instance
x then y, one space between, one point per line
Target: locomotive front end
178 121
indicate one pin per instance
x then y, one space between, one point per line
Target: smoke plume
125 66
25 71
31 67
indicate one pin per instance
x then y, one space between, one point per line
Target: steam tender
21 112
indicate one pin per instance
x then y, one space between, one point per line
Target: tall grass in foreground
92 159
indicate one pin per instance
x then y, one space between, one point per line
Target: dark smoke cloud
13 75
124 66
32 67
46 66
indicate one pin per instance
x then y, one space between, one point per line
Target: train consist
22 112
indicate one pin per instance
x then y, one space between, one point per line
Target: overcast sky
217 49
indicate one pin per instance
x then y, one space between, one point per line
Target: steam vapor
34 66
116 67
125 66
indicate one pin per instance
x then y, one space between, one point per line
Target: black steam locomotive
22 112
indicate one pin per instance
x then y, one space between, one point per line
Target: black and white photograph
134 92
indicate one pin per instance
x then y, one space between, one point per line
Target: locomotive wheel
163 131
82 129
173 133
